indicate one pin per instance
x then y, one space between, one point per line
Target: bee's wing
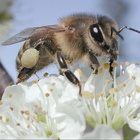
30 32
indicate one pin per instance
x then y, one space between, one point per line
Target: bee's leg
64 68
94 61
111 68
24 74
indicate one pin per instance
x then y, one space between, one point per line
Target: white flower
52 108
42 110
111 102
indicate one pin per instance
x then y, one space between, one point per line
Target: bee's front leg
64 68
94 61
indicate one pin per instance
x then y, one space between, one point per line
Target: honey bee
77 37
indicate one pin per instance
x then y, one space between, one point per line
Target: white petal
134 124
102 132
70 121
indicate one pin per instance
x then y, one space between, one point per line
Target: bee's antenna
129 29
117 32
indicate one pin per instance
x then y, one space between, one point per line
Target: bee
77 37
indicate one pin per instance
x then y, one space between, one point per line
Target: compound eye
96 33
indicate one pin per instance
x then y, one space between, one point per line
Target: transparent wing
35 31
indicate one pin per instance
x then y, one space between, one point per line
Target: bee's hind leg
25 73
64 68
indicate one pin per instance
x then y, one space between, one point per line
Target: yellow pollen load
47 94
114 65
1 102
138 88
0 117
100 70
127 63
106 65
133 77
34 81
80 72
7 120
107 81
30 58
10 95
113 103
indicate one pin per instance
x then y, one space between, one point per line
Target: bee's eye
96 33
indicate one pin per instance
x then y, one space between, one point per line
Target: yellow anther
22 112
133 77
7 120
36 106
100 70
46 74
40 108
27 112
137 63
83 81
45 112
80 72
111 90
116 89
51 89
47 94
34 81
28 118
101 94
106 65
12 108
128 95
0 117
53 84
1 102
122 63
10 95
124 85
86 93
138 88
107 81
127 63
96 95
114 65
28 126
113 103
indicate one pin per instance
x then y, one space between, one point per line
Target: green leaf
128 134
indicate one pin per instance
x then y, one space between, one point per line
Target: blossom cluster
52 108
